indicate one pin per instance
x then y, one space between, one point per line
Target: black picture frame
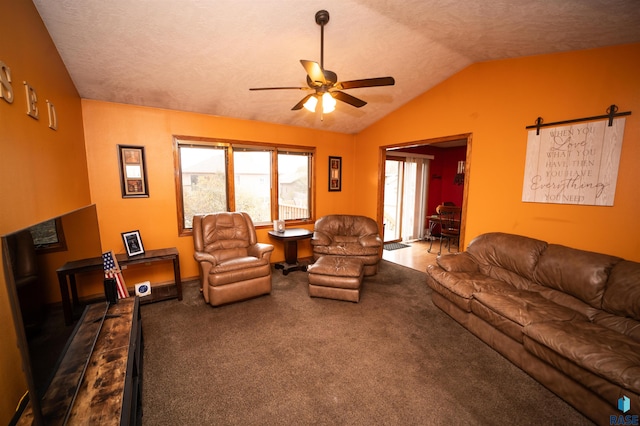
133 171
133 243
335 174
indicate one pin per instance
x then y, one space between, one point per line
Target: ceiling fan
327 89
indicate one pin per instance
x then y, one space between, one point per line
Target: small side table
290 238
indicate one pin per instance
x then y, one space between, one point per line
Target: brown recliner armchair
233 264
352 236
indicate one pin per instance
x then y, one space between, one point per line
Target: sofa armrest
457 262
261 250
201 256
320 239
370 241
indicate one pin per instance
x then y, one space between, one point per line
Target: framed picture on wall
335 174
133 172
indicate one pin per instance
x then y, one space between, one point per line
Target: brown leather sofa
353 236
233 264
569 318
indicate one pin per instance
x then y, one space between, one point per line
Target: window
203 184
252 182
48 236
293 186
268 182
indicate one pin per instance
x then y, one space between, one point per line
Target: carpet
288 359
395 246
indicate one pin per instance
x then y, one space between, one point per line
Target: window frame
229 145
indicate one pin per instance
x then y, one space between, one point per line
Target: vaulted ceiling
204 55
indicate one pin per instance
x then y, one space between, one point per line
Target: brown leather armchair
233 264
348 235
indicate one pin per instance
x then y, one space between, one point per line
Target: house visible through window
267 182
252 183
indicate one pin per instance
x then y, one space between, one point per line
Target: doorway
404 202
405 190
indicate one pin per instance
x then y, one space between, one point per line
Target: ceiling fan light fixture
325 83
311 103
328 103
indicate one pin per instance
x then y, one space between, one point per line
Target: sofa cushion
343 248
603 388
459 287
580 273
510 311
564 299
239 269
465 284
622 295
597 349
627 326
514 253
457 262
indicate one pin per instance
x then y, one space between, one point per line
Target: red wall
442 170
445 164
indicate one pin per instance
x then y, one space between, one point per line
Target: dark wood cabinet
107 366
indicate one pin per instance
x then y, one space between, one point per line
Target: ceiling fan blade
351 100
314 71
367 82
279 88
300 104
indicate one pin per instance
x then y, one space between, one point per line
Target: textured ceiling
204 55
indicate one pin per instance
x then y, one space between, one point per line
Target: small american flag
112 270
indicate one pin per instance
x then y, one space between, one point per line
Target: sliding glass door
405 195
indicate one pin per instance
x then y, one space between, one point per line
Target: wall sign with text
574 164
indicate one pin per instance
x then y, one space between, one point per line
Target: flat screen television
31 257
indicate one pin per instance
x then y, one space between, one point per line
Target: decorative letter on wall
53 118
576 164
6 90
32 101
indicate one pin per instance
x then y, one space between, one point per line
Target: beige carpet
288 359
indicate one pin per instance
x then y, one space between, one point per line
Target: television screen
31 257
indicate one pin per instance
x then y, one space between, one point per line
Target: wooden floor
416 255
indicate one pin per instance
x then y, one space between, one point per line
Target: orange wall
46 173
43 173
495 101
108 124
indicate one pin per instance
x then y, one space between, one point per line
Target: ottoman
335 277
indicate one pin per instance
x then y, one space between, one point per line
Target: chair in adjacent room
449 218
234 266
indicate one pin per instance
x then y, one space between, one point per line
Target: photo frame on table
133 171
133 243
335 174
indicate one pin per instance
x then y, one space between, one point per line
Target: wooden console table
67 276
109 391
